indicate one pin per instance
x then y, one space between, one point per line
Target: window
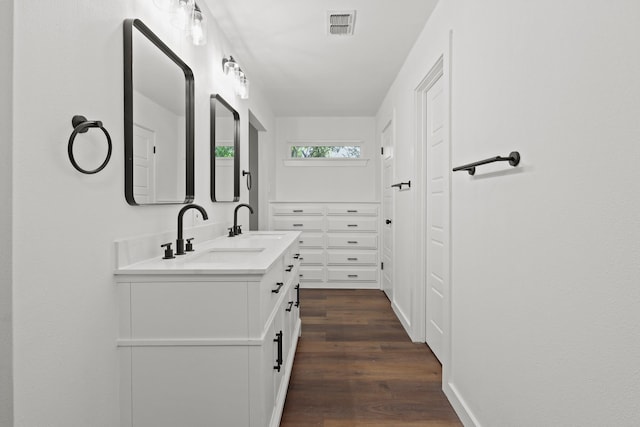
224 151
325 151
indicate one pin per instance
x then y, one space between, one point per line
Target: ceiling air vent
341 23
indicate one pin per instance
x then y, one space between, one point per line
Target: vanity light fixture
231 67
187 17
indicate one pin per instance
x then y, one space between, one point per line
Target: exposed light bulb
198 29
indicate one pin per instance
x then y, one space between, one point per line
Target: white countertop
250 253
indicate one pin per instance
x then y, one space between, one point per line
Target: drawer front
352 241
269 283
297 210
298 223
311 240
348 258
363 274
311 257
353 224
311 274
368 210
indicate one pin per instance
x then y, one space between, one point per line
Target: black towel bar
513 159
401 184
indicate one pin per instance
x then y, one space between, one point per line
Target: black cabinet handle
298 210
289 308
353 242
296 256
279 358
352 225
352 259
353 276
388 221
297 288
289 268
352 211
277 289
298 225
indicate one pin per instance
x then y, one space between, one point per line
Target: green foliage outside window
224 151
324 152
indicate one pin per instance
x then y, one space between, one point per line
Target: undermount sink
225 256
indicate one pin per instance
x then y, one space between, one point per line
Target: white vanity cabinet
208 348
338 244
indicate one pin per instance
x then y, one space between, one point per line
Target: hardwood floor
355 366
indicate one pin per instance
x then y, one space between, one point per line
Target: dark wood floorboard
355 366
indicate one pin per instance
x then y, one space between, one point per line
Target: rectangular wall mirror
225 151
158 120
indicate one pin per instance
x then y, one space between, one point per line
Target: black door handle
388 221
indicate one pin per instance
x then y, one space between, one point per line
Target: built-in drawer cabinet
368 241
299 223
335 257
360 274
311 274
338 244
312 257
311 240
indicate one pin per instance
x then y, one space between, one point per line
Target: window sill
325 162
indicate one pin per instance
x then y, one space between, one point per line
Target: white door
437 216
387 210
144 179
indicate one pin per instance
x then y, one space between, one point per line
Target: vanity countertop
250 253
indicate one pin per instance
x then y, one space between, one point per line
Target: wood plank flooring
355 366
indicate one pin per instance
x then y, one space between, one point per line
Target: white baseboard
460 405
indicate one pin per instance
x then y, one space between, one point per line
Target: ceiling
285 49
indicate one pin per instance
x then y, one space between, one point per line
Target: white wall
545 256
327 183
6 207
69 60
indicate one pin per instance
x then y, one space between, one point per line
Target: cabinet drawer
367 210
299 223
348 258
352 224
311 240
297 210
311 257
362 274
352 241
270 290
311 274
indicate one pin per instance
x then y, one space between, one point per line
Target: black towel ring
82 125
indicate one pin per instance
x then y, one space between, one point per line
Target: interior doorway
435 201
388 210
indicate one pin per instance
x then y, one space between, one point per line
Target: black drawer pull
352 211
289 308
353 242
298 225
298 210
279 357
352 259
296 256
301 241
277 289
352 225
297 288
353 276
289 268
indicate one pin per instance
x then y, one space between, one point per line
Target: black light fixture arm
513 159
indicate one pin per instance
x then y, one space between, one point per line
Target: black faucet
180 241
236 228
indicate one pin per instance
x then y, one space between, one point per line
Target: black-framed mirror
225 151
158 120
